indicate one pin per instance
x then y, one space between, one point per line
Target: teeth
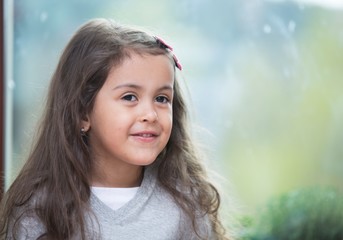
146 135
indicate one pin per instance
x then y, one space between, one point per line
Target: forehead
144 52
143 69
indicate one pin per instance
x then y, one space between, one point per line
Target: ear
85 124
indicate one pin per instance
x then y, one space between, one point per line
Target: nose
148 114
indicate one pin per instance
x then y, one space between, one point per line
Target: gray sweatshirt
151 215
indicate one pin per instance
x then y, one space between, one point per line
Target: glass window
265 79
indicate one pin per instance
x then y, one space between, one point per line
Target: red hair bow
164 45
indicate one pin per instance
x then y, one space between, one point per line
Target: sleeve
27 226
203 228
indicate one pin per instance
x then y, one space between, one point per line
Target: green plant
305 214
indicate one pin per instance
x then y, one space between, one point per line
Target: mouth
145 136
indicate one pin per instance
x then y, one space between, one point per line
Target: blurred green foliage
305 214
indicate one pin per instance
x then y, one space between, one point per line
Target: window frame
2 98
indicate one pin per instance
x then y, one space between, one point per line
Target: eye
130 98
162 99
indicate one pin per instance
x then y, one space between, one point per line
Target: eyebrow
135 86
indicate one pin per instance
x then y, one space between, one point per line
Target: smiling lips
145 136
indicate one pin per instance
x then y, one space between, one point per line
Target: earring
83 131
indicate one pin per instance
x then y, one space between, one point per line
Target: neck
124 176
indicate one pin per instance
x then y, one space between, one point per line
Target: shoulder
170 208
23 222
194 222
201 229
25 225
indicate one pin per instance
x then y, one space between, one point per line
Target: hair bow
164 45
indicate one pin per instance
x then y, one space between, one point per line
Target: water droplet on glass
43 16
267 29
286 72
11 84
291 26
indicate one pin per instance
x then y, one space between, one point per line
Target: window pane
264 76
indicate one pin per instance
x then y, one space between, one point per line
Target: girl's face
131 121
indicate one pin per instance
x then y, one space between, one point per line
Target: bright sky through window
325 3
338 4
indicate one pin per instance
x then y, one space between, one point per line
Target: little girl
113 158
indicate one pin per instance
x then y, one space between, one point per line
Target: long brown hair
59 165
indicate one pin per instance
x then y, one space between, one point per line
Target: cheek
169 124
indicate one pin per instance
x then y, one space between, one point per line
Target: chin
143 162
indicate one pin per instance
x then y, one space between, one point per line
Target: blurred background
265 79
